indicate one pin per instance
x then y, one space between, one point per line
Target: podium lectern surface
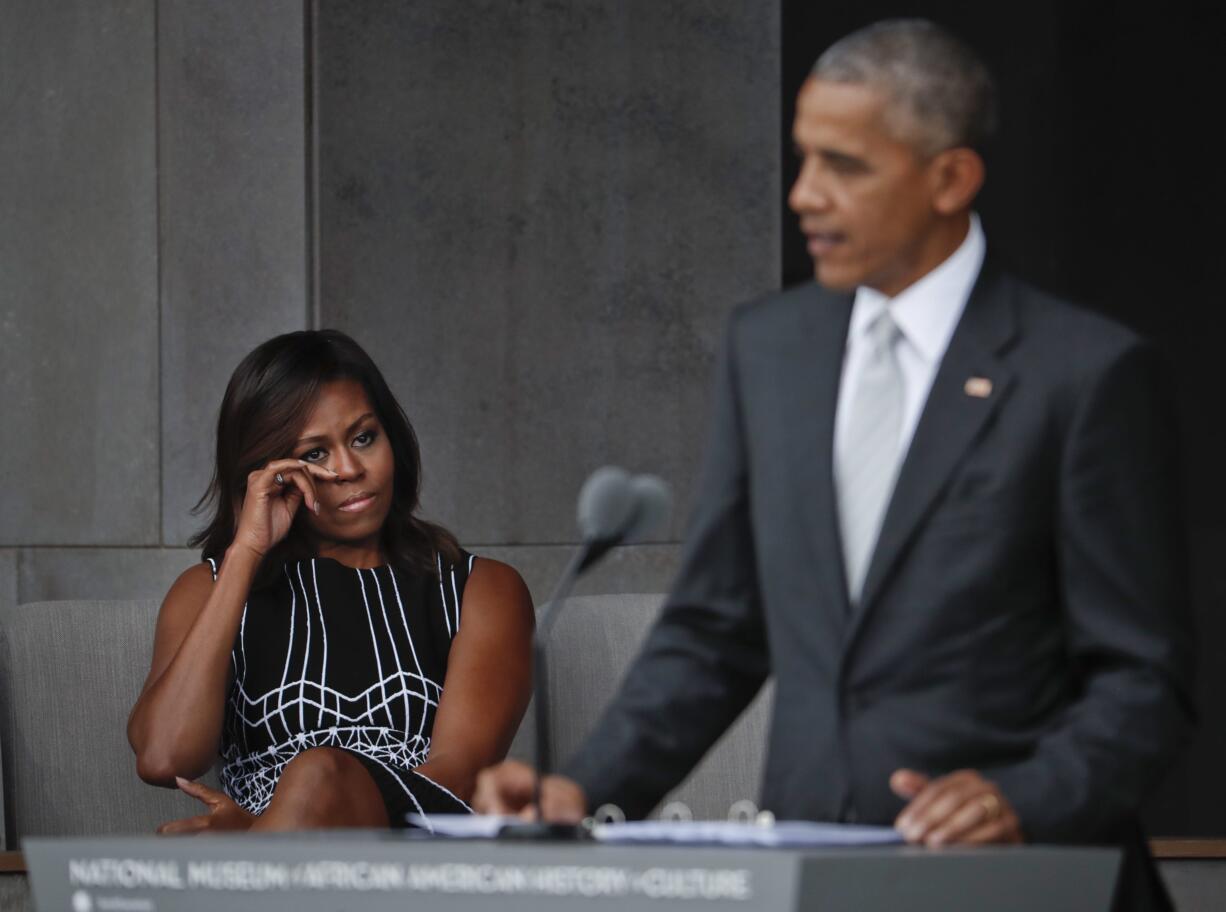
377 871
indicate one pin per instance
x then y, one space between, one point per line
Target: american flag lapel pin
979 387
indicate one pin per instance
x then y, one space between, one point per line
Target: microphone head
607 504
653 500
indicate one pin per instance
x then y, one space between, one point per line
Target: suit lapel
819 364
951 421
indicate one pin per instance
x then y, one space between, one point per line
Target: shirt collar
927 310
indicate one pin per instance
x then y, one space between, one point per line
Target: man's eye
366 438
846 166
312 455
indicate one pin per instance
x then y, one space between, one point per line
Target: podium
383 871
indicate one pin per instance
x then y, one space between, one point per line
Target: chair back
594 641
69 673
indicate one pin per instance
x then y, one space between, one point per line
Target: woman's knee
329 786
320 767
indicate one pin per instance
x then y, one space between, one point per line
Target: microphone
614 508
654 500
617 508
606 505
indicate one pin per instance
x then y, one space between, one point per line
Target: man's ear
957 176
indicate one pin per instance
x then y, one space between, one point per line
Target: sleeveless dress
332 656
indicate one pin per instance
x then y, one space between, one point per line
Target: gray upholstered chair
69 672
595 639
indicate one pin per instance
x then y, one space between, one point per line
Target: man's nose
807 193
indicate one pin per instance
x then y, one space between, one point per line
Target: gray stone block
54 574
234 239
78 287
8 577
633 568
536 216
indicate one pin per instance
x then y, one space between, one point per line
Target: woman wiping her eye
347 659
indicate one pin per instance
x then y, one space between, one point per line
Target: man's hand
962 808
506 789
223 813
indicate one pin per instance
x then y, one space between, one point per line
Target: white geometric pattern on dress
384 722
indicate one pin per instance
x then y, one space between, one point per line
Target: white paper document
462 826
781 834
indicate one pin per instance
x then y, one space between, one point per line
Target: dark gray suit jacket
1024 613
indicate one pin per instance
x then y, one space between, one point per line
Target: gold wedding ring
279 479
991 806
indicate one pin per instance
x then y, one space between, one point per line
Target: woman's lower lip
356 506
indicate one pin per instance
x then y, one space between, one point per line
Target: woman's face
343 433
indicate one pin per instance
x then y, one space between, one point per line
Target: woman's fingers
288 465
296 476
273 496
304 483
268 474
186 825
198 790
318 471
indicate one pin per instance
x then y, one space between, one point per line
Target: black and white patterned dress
331 656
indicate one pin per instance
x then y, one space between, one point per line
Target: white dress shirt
926 313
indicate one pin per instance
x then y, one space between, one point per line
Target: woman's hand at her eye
274 494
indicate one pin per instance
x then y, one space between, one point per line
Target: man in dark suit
938 506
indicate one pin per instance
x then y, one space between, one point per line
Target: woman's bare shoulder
490 577
192 588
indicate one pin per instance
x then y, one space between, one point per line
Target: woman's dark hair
266 404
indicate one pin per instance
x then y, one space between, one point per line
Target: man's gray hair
941 94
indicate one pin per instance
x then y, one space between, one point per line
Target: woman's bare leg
323 787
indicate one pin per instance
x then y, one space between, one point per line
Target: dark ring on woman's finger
279 479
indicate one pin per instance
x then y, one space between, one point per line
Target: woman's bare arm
175 726
489 679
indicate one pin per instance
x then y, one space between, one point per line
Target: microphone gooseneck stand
614 507
540 829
